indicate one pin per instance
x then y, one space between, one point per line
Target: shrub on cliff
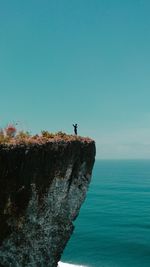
2 136
47 134
23 135
1 133
61 134
10 130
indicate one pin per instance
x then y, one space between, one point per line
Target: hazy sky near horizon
78 61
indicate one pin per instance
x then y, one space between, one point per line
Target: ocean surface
113 227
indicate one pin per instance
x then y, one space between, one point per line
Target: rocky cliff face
42 187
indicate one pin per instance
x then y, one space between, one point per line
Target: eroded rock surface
42 187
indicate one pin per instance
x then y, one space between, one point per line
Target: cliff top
45 137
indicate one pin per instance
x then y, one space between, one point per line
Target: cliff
42 187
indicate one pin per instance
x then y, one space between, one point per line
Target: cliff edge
42 187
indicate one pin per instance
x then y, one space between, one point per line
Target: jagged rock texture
42 187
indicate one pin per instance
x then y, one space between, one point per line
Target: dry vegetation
10 135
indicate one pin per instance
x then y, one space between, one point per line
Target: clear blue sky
78 61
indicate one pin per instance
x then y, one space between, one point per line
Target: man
75 128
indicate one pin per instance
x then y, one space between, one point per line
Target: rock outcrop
42 187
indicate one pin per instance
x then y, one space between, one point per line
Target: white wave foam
63 264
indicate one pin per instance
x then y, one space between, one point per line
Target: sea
113 227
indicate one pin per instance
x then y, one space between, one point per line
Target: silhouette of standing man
75 128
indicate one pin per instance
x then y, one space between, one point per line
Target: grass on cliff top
45 136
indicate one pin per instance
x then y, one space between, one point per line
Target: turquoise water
113 228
